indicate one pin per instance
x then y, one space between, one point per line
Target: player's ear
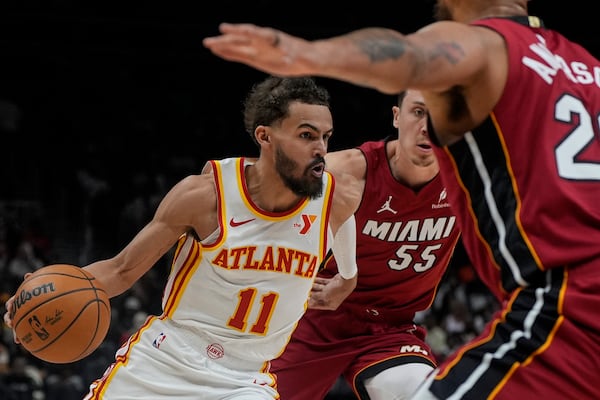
261 133
396 115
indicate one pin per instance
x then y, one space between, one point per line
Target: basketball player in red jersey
406 233
514 108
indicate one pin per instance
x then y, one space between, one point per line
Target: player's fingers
322 281
7 319
15 338
316 302
242 40
9 305
269 35
319 286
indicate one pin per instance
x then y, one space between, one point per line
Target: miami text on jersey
410 231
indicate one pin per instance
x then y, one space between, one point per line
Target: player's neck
409 169
411 173
413 176
268 191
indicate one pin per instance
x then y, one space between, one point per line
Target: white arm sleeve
344 248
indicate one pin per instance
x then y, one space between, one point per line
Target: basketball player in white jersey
250 235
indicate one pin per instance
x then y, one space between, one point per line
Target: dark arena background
105 105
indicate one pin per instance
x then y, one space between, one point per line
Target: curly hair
269 100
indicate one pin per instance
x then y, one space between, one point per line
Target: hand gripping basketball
60 313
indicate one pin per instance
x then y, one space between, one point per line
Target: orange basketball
61 313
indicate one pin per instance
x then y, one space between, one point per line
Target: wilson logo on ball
25 295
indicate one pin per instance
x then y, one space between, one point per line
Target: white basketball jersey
244 292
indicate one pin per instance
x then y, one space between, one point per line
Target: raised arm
437 57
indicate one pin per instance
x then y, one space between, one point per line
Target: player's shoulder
199 186
441 29
347 192
342 155
207 168
349 161
191 199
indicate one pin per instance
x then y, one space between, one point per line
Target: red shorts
545 342
327 344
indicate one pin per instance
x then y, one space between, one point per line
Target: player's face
300 148
306 184
411 120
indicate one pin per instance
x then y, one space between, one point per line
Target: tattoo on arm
450 51
381 46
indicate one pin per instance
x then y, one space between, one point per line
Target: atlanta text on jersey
279 259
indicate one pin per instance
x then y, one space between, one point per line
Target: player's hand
8 314
266 49
328 294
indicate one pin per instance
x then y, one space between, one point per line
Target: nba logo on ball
37 327
61 313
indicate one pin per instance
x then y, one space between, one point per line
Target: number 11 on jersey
247 298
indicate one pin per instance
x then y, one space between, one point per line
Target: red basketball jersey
405 240
526 183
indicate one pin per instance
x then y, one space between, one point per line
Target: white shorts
161 362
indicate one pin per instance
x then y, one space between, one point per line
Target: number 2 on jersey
578 140
247 298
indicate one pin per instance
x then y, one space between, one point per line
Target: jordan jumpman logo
386 206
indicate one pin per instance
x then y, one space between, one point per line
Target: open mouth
317 169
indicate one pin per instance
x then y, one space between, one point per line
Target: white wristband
344 248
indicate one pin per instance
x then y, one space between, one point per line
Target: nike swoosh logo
233 223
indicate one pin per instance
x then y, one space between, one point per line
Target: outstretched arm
436 57
461 69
